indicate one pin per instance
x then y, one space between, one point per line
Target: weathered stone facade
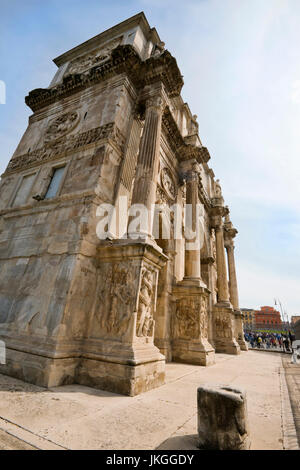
108 313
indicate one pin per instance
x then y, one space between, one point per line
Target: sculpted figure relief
145 323
223 326
203 318
168 183
187 318
213 244
194 126
158 49
121 294
218 190
54 147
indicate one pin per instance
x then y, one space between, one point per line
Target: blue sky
241 65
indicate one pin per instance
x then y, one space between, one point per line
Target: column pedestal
190 325
120 355
224 327
239 331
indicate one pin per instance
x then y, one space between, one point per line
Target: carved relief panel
223 325
126 297
147 300
166 188
186 321
94 58
191 321
117 291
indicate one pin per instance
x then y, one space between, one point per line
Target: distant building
248 318
296 327
295 318
267 318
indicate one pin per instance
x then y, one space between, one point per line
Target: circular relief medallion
168 183
61 126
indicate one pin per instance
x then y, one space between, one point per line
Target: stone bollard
222 418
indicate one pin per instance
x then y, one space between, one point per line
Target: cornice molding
124 59
183 150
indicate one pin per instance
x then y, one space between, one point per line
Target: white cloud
295 94
259 286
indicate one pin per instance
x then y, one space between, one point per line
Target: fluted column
233 289
224 315
190 344
144 191
192 245
229 235
222 282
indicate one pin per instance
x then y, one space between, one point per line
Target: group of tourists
265 340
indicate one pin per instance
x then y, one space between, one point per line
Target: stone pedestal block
190 325
222 418
239 333
224 328
119 354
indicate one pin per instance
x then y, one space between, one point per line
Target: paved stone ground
9 442
263 348
292 376
78 417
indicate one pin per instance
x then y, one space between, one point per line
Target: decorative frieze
73 142
95 58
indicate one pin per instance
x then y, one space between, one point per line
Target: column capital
229 232
216 217
154 97
156 102
228 242
190 171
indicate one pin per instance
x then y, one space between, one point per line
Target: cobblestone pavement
292 375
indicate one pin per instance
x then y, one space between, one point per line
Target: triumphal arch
107 303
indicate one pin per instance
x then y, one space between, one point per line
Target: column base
190 324
164 347
223 304
192 282
243 345
199 352
227 347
